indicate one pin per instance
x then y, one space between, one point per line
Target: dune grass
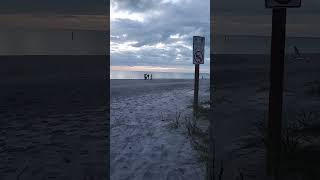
300 155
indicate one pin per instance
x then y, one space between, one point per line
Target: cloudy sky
156 35
251 18
45 27
247 24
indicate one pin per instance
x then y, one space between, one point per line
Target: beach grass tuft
175 123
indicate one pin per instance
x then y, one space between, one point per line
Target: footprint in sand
175 175
147 175
122 163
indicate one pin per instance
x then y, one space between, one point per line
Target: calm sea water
155 75
234 44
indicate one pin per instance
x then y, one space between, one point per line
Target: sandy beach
54 113
241 101
53 116
143 146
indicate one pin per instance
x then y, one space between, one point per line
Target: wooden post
198 58
211 153
276 91
196 89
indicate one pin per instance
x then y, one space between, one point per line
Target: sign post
274 128
198 58
276 89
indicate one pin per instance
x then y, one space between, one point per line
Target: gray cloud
164 38
248 17
135 5
250 7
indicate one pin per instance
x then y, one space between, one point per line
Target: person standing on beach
150 76
145 76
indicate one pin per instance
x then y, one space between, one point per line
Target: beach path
143 146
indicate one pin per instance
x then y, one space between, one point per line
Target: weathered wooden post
211 153
198 58
196 89
278 43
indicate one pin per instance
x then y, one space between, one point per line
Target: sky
36 27
249 17
156 35
248 25
144 33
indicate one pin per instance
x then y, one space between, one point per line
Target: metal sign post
276 83
198 58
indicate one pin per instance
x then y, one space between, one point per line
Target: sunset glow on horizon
156 69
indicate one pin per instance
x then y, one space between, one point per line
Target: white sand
240 100
143 146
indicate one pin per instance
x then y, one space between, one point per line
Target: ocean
234 44
116 74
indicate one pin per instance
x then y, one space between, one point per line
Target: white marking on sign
283 3
198 50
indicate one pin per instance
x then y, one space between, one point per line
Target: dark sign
198 50
283 3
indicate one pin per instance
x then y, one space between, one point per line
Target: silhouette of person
151 77
148 76
145 76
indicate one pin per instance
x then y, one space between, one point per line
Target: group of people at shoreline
147 76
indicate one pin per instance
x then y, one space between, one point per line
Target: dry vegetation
300 154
